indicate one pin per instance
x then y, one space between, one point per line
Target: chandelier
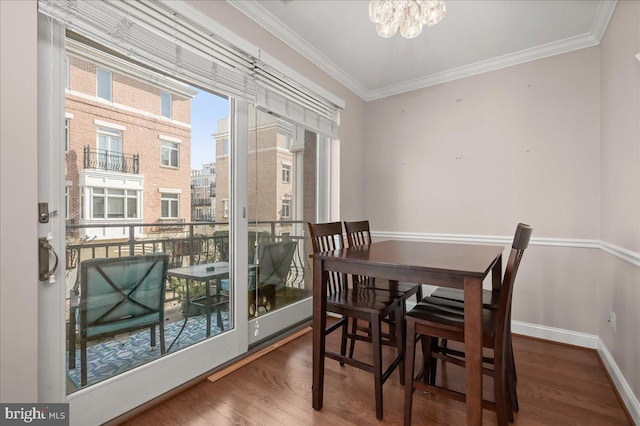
408 15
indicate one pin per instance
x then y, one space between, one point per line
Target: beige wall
620 183
478 155
18 189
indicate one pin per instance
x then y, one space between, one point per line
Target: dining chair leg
400 339
354 330
152 331
377 362
428 362
500 391
343 341
83 362
162 343
409 360
72 339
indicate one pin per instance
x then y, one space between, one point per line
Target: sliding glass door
151 275
178 207
280 200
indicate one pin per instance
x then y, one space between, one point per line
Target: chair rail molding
620 252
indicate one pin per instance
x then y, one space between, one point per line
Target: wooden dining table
462 266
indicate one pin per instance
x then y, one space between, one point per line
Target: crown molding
504 61
269 22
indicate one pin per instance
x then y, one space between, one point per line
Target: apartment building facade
203 192
128 143
271 176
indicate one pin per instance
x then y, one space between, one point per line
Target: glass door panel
145 196
277 196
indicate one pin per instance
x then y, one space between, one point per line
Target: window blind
168 37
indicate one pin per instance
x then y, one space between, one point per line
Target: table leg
319 325
473 348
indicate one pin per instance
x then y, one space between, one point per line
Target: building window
110 203
169 154
286 208
225 208
168 206
287 142
286 173
109 154
103 84
165 104
225 147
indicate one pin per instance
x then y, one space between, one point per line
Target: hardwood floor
557 385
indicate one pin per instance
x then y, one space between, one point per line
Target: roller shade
174 39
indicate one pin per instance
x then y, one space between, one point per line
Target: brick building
203 192
271 169
128 143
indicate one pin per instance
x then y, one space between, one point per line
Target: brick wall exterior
265 186
136 106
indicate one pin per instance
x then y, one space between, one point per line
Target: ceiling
475 36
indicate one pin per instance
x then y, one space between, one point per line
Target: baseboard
624 390
590 341
553 334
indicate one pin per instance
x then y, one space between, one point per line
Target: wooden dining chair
490 300
444 319
359 234
359 303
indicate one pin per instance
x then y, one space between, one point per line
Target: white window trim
169 139
177 149
109 125
282 166
170 190
177 201
282 208
138 198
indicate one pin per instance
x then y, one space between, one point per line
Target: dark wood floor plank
557 385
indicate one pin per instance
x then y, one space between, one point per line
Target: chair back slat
328 237
358 233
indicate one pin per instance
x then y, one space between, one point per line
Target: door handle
44 248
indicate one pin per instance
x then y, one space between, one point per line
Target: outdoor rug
111 357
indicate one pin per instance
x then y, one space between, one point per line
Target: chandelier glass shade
407 15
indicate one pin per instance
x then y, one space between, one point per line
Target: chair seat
489 298
366 300
449 315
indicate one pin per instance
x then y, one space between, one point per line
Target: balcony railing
198 242
99 159
201 201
